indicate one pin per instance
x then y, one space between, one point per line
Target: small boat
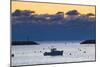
53 52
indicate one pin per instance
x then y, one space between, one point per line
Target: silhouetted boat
53 52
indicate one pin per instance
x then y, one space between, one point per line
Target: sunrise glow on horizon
50 8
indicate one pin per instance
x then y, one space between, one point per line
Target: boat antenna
27 38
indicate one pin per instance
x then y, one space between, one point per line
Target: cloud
22 12
17 13
90 14
72 12
60 13
28 16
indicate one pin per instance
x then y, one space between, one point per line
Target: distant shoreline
88 42
24 43
41 42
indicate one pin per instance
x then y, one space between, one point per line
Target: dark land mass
24 43
88 42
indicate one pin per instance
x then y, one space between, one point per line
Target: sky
82 29
51 8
